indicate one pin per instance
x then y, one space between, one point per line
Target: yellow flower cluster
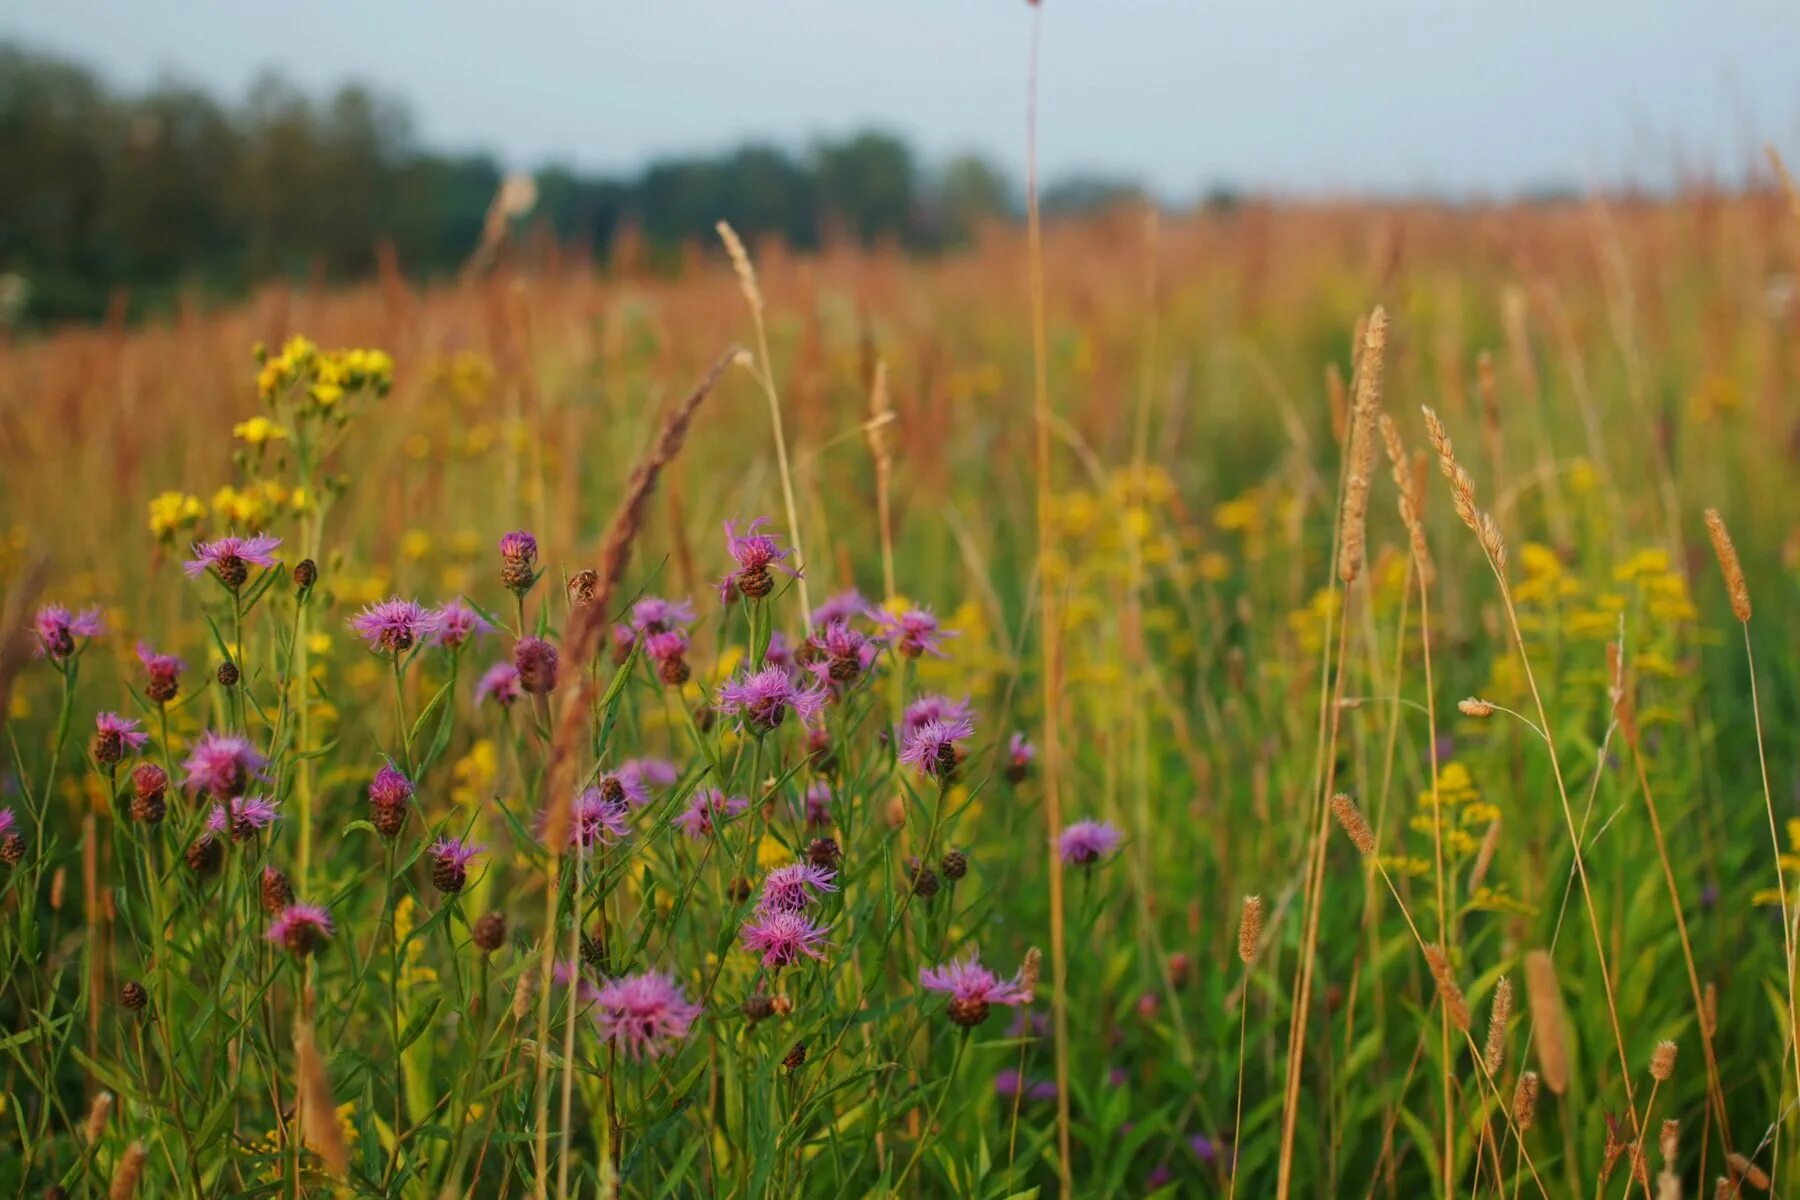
175 512
322 377
259 431
1455 794
253 506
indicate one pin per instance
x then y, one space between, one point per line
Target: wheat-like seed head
1525 1101
1448 989
1729 566
1662 1061
740 264
98 1112
128 1172
1355 827
1474 707
1494 1054
1250 923
1742 1168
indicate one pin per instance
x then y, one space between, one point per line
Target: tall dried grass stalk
765 372
318 1110
881 450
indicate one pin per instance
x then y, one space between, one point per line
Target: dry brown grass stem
764 370
881 450
581 640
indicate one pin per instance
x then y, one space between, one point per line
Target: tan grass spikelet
1494 1054
1742 1168
1549 1022
1355 827
1662 1061
1448 989
1729 566
129 1171
1361 454
1250 923
1525 1100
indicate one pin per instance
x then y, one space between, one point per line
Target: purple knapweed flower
57 628
113 735
791 888
454 623
1087 842
840 655
639 775
844 607
389 787
644 1015
932 748
1020 754
915 632
535 659
782 937
164 671
818 803
230 558
518 546
761 699
653 614
756 553
1007 1085
394 626
500 684
450 859
7 821
973 988
705 807
245 818
933 707
780 652
598 820
299 928
567 975
1205 1149
222 765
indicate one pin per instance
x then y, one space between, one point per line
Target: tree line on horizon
167 192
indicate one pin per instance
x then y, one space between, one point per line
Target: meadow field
1282 723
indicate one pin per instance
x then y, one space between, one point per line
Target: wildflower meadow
1292 701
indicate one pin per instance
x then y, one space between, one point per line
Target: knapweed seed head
535 660
840 654
163 671
1087 842
922 879
824 852
518 561
276 892
113 736
782 937
230 558
149 791
204 854
933 750
57 628
12 842
761 700
645 1015
450 858
227 674
306 577
134 997
955 865
221 765
668 651
489 933
394 626
756 554
299 928
973 989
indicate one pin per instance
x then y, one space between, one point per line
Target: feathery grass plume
1462 486
1448 989
1669 1142
1662 1061
1361 453
1473 707
128 1172
1742 1168
318 1110
1549 1023
98 1113
1355 827
1495 1052
1250 923
1030 968
523 992
1729 566
1525 1100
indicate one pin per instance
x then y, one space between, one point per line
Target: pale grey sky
1310 95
